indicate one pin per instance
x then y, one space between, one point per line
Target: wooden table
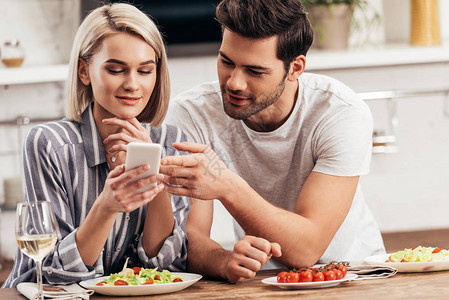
433 285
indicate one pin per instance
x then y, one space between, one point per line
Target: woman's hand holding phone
121 193
134 183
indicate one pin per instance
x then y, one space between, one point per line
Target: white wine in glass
36 229
37 246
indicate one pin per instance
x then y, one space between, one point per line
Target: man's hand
202 175
248 256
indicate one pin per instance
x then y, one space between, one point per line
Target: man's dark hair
286 19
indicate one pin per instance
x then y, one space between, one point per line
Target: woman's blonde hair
98 25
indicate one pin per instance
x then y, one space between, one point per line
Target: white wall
412 178
45 29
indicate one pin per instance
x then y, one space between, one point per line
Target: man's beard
256 105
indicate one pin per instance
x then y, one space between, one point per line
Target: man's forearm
260 218
320 210
206 257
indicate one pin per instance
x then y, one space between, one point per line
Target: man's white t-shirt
329 131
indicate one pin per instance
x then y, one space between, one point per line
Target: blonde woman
118 93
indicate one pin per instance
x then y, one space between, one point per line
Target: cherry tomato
292 277
305 276
149 281
343 269
329 275
436 250
403 260
136 270
157 277
338 273
177 280
102 283
318 276
120 282
282 277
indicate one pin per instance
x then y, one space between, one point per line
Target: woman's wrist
93 232
102 209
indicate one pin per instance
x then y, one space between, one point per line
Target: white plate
308 285
138 290
407 266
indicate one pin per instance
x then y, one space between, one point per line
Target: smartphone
138 154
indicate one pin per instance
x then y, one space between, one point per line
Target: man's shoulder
328 89
198 103
195 96
332 86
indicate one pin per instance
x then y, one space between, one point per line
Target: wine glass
36 229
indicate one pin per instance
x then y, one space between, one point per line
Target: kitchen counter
382 55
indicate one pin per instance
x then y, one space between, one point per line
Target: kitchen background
408 186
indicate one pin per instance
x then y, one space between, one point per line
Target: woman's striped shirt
65 163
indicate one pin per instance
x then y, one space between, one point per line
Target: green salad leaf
140 276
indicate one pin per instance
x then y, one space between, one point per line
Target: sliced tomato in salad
120 282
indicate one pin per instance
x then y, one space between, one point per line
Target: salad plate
428 266
139 290
308 285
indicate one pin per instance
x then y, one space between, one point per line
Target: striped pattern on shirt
66 164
